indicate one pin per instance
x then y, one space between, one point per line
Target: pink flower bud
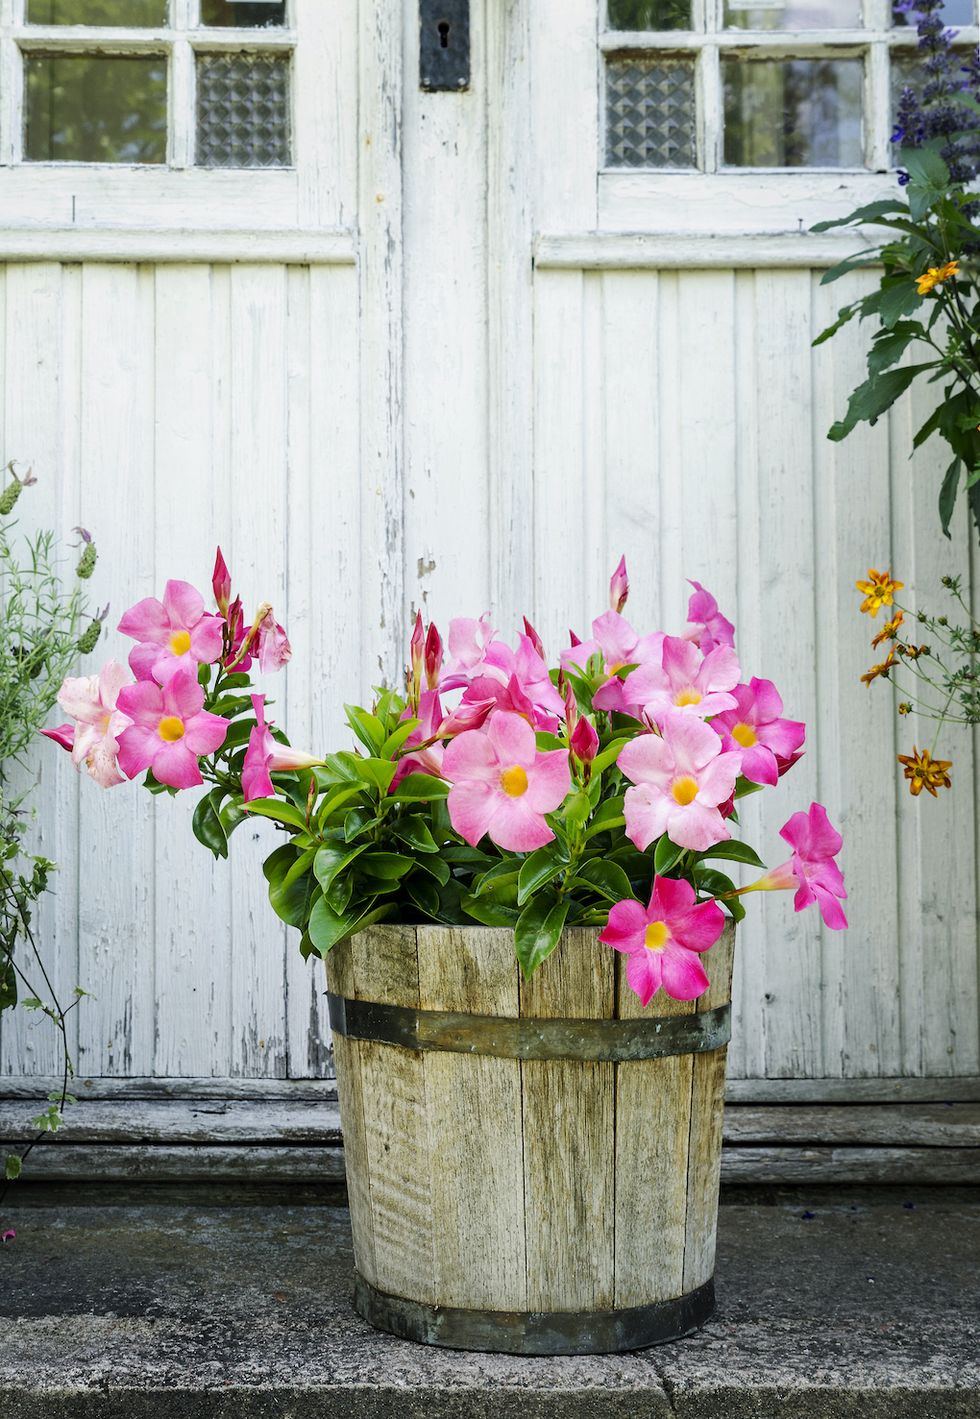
619 586
571 705
465 716
534 638
584 741
221 582
64 735
433 657
574 640
283 758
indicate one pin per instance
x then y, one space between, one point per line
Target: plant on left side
47 628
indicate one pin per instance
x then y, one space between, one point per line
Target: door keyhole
443 28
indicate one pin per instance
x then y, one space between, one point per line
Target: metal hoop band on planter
535 1332
526 1038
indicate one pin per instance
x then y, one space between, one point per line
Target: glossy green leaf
369 730
395 740
286 813
389 866
607 817
434 867
538 931
332 859
328 927
424 895
542 866
666 856
420 788
608 878
485 910
206 823
733 851
870 400
413 829
292 894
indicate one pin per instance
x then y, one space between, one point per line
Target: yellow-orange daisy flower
925 772
879 590
935 277
881 669
889 630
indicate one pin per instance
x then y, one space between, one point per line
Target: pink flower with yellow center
170 730
91 700
488 669
754 729
173 634
680 778
662 941
502 785
685 681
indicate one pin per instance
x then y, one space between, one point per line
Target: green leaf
396 739
490 913
890 346
369 730
733 851
413 829
608 816
389 866
845 314
328 927
924 165
610 753
898 300
863 215
424 895
207 825
870 400
608 878
286 813
12 1167
358 821
576 809
278 863
334 802
378 773
291 895
947 493
850 263
717 885
538 931
434 867
538 868
666 856
420 788
330 860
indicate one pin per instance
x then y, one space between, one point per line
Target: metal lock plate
444 45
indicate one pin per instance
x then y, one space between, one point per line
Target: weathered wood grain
653 1124
473 1108
340 977
704 1153
569 1122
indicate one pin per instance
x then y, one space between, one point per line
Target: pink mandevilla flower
812 869
754 729
266 755
710 627
94 740
221 583
273 645
429 759
170 730
518 680
661 942
503 785
614 639
685 681
173 634
680 776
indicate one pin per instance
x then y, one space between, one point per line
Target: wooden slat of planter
653 1125
707 1095
569 1138
340 975
393 1097
474 1127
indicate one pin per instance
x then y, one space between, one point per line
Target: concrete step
831 1304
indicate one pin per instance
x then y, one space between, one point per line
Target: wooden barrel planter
532 1165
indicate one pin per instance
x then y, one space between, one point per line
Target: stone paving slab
830 1306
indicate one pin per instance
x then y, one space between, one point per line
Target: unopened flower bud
584 742
87 561
89 638
9 496
619 586
432 657
534 638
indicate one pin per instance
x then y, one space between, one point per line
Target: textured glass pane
650 14
98 12
94 108
790 113
954 12
793 15
242 110
243 14
650 113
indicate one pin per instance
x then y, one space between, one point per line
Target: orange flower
925 772
879 590
881 669
889 630
935 276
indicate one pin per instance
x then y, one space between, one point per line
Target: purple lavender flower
928 109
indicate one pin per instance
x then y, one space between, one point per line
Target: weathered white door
460 349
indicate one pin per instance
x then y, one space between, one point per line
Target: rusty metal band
510 1038
535 1332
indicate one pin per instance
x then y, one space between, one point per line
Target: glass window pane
243 14
790 113
136 13
650 14
94 108
954 12
793 15
243 111
650 113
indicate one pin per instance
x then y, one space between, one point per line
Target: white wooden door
458 354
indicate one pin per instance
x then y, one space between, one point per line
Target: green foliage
930 225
